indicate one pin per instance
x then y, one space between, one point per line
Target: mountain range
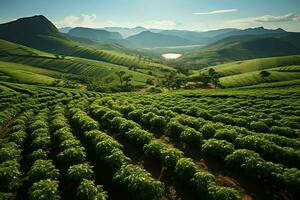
218 46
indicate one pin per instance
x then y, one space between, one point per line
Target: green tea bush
185 169
43 169
208 130
9 175
191 136
87 190
259 126
72 156
139 183
44 190
226 134
79 172
158 124
139 136
217 148
284 131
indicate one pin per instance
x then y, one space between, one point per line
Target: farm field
209 144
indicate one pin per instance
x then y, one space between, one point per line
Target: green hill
39 33
148 39
245 66
238 48
247 72
15 53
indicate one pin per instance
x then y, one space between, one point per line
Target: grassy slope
253 78
15 53
246 73
240 67
25 73
228 51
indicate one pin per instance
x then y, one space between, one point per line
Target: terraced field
254 78
101 70
65 144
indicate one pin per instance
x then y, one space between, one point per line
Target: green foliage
186 168
87 190
223 193
43 169
217 148
9 153
226 134
44 190
167 155
9 175
72 155
284 131
191 136
208 130
139 136
201 181
139 183
80 171
259 126
175 129
158 124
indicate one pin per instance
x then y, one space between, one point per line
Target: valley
147 109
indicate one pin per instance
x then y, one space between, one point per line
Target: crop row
171 158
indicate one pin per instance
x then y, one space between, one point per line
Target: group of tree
125 80
212 77
174 81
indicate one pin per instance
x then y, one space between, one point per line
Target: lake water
171 55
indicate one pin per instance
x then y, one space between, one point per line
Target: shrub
201 182
87 190
223 193
38 154
135 115
284 131
72 156
259 126
185 168
43 169
123 125
44 190
139 136
18 137
174 129
9 153
68 143
191 136
170 156
139 183
158 124
9 175
80 171
208 130
239 157
226 134
42 142
217 148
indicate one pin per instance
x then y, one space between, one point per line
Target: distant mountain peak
34 25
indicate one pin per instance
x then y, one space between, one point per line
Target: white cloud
283 18
216 12
84 20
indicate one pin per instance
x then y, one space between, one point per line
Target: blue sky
166 14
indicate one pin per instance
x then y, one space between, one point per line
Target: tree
214 77
264 74
120 74
202 78
127 79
